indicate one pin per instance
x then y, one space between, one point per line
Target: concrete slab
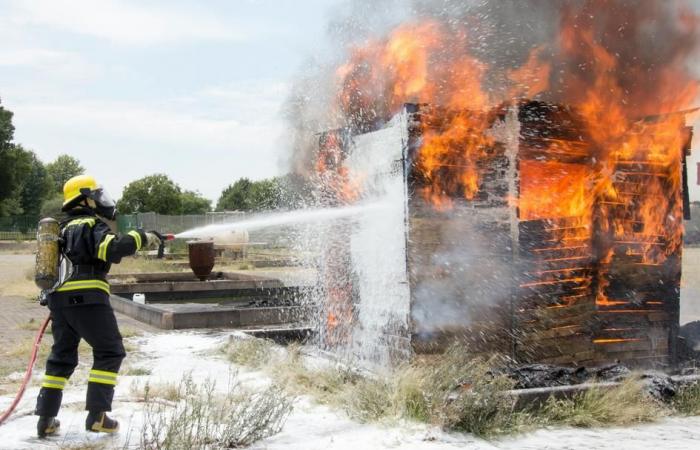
169 317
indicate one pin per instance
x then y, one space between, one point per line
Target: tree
52 207
264 195
194 203
19 164
236 197
63 169
7 177
36 184
289 191
155 193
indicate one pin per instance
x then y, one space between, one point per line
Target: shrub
625 404
204 418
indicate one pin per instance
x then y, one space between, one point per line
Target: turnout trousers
87 315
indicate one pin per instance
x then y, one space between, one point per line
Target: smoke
652 45
614 58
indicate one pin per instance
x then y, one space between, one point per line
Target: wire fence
174 224
18 228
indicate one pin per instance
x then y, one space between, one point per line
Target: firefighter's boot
100 423
47 426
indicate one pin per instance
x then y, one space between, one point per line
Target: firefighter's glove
154 240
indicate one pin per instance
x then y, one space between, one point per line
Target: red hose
28 374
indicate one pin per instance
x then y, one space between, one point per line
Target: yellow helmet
72 188
85 187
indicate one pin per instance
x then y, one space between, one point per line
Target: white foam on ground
172 355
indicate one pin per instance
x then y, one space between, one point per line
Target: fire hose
28 373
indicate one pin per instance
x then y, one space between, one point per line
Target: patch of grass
249 352
370 399
141 265
457 391
625 404
20 287
25 347
326 385
135 371
462 393
128 332
171 392
205 418
15 358
30 325
687 400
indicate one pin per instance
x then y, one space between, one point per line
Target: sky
131 88
191 89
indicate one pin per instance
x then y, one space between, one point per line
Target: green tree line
32 188
158 193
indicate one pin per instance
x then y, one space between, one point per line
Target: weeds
136 371
25 347
20 287
203 417
327 385
170 392
687 400
127 332
456 391
30 325
141 265
249 352
624 404
370 400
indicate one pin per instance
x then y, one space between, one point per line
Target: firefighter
80 307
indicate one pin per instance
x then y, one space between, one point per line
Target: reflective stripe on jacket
92 248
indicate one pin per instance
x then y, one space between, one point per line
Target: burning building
537 264
532 208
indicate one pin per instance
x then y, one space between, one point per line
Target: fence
18 228
174 224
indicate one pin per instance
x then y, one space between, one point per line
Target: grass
249 352
202 417
31 325
687 400
21 286
141 265
128 332
171 392
26 346
135 371
456 391
625 404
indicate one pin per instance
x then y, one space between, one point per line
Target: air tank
47 241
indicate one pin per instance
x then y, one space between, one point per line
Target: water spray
280 219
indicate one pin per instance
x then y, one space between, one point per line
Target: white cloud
122 22
61 65
29 57
122 141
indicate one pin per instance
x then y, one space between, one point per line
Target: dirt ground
22 316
